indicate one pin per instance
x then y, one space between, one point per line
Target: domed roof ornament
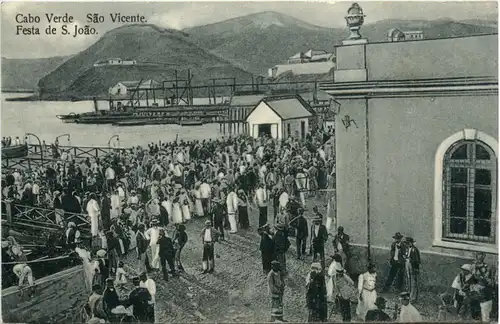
355 19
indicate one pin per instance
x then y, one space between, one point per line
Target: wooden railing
39 217
77 152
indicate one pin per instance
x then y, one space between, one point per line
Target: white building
114 61
396 35
310 56
124 88
281 117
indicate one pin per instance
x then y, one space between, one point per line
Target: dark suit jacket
139 298
414 257
319 241
344 242
166 247
142 243
401 253
302 228
280 242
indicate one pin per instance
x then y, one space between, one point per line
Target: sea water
39 118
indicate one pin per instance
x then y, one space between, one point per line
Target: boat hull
191 123
13 152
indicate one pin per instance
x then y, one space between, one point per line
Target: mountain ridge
165 50
257 49
244 45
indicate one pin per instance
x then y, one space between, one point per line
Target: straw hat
466 267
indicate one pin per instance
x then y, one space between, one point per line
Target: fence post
8 209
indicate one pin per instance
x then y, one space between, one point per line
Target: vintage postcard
264 161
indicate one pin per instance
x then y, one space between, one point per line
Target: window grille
469 192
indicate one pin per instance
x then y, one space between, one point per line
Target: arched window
466 191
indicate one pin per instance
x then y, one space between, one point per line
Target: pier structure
23 217
40 155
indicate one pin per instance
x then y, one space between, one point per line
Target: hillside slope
159 52
259 41
25 73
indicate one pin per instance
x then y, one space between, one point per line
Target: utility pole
176 88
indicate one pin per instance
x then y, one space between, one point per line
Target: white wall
303 68
263 115
114 90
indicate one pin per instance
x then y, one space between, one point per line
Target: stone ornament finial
355 19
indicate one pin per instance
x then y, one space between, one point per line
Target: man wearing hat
316 294
397 263
276 285
139 298
302 232
341 247
72 236
208 239
142 247
462 285
205 194
319 236
266 247
378 314
281 244
261 199
346 293
408 314
412 267
102 269
217 216
167 254
110 297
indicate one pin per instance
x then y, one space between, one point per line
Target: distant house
114 61
124 88
396 35
280 117
309 56
320 67
310 62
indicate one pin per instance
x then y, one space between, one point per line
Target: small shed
280 117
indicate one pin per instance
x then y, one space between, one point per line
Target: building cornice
412 88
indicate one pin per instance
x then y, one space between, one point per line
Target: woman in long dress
153 234
93 211
169 207
301 182
243 209
176 211
186 212
232 207
198 207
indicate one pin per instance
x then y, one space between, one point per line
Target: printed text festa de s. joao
28 24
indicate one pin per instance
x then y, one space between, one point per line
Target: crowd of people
131 196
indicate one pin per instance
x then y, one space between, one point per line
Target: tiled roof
248 100
289 108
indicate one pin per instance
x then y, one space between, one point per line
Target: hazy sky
187 14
